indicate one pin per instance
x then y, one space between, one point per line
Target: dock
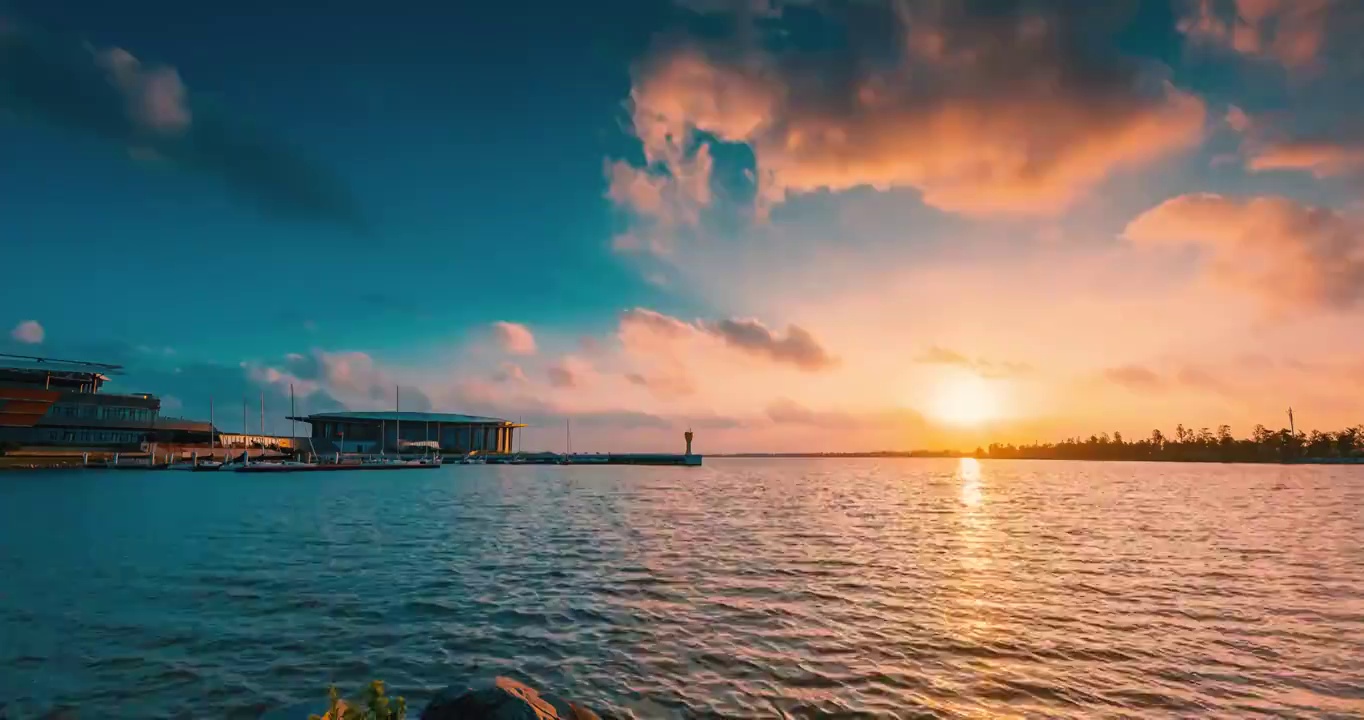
546 458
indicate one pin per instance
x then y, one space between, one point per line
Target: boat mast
293 424
211 431
398 422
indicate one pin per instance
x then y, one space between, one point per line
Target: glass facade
116 413
453 438
79 437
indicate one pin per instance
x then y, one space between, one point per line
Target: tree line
1202 445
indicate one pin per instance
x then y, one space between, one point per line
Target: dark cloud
111 95
790 412
509 372
561 376
648 330
798 348
716 422
1199 378
674 385
942 356
1134 377
935 355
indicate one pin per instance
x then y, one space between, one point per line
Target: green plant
374 705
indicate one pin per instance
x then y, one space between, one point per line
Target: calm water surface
748 588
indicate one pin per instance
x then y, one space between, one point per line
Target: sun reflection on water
968 470
971 613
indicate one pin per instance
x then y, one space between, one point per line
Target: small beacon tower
688 435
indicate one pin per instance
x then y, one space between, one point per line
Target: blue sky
767 219
471 140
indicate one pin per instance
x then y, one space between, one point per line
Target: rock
504 699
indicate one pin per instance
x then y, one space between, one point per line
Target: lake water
747 588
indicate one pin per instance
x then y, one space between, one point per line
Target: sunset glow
965 400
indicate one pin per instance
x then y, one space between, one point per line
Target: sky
789 225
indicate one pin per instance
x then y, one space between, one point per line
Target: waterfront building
267 442
371 432
52 402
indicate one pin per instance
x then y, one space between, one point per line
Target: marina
53 413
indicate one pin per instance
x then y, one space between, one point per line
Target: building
46 401
369 432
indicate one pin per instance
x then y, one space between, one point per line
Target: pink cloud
1292 254
569 372
647 329
155 96
1237 119
510 373
352 378
980 117
28 331
514 338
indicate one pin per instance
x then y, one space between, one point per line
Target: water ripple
748 588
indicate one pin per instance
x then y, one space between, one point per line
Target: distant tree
1347 441
1264 445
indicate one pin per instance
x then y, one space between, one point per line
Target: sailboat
397 461
195 464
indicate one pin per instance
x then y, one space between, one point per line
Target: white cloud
28 331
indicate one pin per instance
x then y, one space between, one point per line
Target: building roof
174 423
452 418
56 366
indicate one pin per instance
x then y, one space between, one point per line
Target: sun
966 400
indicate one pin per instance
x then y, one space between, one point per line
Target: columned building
372 432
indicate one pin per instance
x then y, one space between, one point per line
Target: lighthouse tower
688 435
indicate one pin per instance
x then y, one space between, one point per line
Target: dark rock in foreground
503 699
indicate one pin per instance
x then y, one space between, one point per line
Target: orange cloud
1291 32
1270 147
980 116
1321 158
1294 255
